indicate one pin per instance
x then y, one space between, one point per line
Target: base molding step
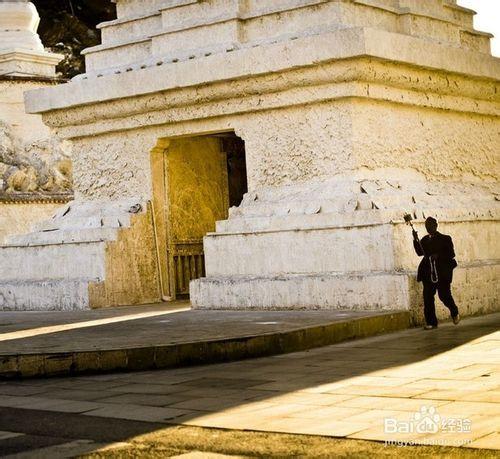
365 291
49 295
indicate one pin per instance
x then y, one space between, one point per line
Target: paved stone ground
343 390
153 325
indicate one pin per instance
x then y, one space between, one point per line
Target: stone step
459 14
338 204
378 291
194 13
49 295
62 237
267 209
383 190
289 222
436 8
359 203
304 221
321 250
135 8
83 223
475 40
443 10
160 29
223 30
189 338
92 214
69 261
104 208
160 58
126 52
119 30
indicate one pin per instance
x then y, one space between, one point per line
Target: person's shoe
456 319
430 327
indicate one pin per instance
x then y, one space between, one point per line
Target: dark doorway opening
195 182
234 147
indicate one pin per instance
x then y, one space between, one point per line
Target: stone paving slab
338 390
169 335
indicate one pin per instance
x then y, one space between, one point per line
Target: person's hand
434 257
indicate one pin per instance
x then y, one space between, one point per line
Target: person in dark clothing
435 271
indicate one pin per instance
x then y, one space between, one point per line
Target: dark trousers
444 293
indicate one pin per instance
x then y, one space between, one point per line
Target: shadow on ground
185 393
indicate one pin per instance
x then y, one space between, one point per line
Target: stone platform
169 335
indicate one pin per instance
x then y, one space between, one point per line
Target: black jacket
440 245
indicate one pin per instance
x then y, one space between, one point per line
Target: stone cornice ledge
35 197
42 57
31 78
302 52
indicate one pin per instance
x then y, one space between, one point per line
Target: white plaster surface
377 291
63 261
49 295
305 251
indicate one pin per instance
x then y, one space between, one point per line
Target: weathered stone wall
354 117
131 261
475 242
437 144
339 137
18 218
277 156
113 166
